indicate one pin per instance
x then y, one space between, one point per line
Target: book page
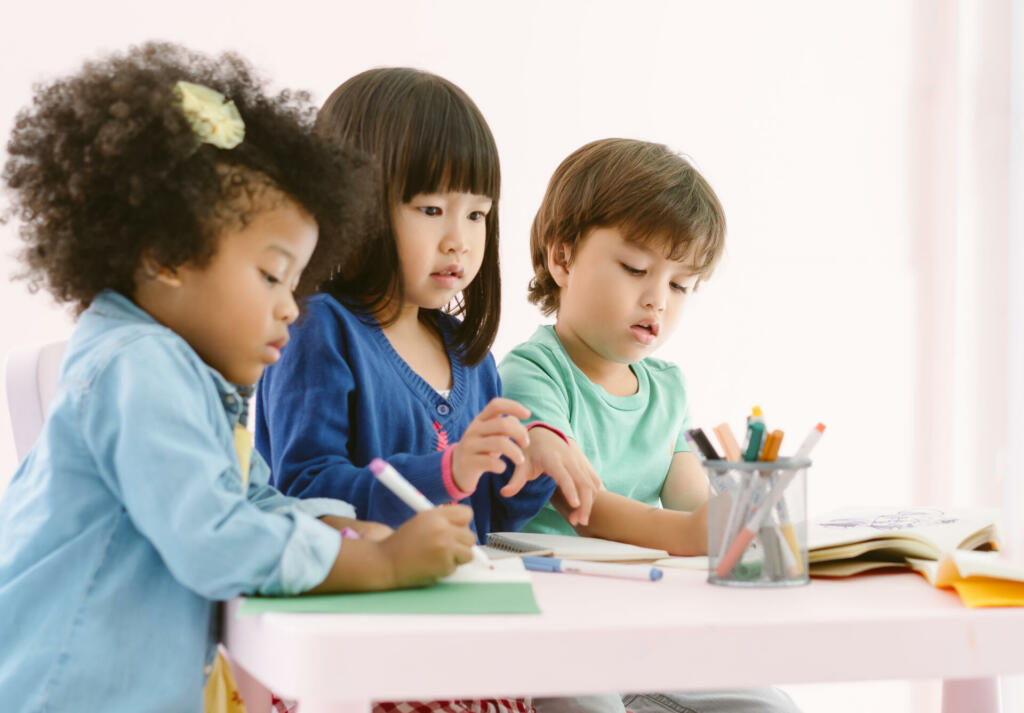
938 529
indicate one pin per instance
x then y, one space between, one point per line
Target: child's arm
425 548
167 459
307 423
549 453
686 486
336 513
531 380
616 517
375 531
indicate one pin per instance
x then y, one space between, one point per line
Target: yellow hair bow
214 119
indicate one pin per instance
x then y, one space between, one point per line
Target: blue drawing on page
900 520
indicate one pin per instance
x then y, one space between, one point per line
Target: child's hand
367 529
565 463
495 432
430 546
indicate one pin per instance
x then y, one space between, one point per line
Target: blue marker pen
603 569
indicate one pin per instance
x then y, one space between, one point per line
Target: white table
602 635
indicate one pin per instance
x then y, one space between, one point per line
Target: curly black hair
104 170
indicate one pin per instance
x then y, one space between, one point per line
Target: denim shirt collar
234 397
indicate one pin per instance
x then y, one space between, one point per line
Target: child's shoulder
543 346
130 353
662 371
323 306
326 317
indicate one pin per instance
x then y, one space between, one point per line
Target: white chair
31 384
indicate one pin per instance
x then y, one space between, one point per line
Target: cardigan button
443 409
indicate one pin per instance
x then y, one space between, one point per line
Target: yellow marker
771 453
243 448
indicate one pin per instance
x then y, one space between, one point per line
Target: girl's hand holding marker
407 492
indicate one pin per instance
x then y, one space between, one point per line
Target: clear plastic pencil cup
757 522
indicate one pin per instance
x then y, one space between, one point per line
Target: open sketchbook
471 589
857 539
568 546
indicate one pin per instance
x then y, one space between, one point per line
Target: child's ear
152 270
169 277
558 262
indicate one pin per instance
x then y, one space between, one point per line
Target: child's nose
654 297
455 241
288 309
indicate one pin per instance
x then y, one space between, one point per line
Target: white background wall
837 136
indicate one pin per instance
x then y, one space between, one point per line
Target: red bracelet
548 426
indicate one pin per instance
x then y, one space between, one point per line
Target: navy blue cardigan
341 396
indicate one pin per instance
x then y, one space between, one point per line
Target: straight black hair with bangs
426 136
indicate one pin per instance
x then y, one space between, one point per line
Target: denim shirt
126 523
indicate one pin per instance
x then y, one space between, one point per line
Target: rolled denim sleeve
267 497
162 443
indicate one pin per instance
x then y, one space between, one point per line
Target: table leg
970 695
313 706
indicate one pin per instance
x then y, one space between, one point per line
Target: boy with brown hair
626 231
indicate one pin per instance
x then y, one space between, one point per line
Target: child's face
235 310
441 239
618 300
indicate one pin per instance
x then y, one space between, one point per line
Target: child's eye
632 270
679 288
270 279
431 210
477 215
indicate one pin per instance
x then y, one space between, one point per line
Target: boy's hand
565 463
495 432
429 546
367 529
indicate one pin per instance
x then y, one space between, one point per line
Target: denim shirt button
443 409
230 400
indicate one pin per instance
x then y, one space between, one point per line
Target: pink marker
408 494
742 540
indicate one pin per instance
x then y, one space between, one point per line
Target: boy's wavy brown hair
653 195
104 169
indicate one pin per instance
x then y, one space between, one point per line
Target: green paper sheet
442 598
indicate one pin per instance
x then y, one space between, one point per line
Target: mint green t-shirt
630 440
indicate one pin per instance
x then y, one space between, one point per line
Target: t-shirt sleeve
165 456
531 377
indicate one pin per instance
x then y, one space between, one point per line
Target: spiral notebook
567 546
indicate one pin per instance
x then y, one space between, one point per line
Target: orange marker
772 445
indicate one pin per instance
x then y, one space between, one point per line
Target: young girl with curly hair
175 204
380 364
